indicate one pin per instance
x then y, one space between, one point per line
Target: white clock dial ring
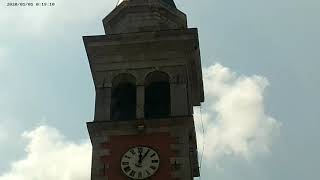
140 162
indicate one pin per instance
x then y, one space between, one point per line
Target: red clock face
140 162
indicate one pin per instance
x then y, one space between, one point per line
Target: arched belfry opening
157 95
123 98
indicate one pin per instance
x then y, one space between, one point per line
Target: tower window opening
157 96
123 101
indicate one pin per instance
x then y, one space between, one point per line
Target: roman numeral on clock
127 169
152 155
125 163
132 173
132 152
147 172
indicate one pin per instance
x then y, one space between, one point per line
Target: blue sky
261 54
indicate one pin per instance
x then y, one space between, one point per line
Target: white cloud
235 118
51 157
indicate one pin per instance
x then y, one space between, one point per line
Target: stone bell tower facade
147 76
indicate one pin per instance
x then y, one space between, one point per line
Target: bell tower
147 75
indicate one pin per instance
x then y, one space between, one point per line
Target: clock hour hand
140 150
139 161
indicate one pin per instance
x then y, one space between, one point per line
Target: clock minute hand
145 155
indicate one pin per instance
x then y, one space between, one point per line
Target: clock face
140 162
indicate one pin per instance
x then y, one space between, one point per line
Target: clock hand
145 154
139 161
140 155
